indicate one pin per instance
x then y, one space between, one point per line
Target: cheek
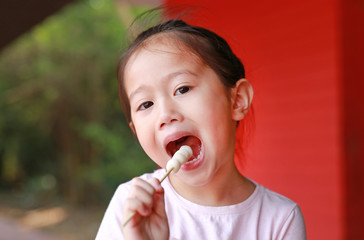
145 135
219 121
142 132
140 129
216 110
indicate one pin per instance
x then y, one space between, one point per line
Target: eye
182 90
145 105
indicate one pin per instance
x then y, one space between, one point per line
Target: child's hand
146 200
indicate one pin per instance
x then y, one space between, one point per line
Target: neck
226 188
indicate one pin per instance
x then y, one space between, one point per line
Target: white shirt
264 215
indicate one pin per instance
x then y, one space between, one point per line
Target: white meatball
179 158
173 164
186 149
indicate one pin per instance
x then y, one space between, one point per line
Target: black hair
212 49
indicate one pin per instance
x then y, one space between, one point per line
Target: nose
168 113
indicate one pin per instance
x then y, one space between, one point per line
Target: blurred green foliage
61 125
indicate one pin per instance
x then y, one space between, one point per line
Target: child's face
175 99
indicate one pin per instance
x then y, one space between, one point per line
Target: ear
241 96
131 125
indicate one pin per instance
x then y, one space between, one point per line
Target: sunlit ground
62 221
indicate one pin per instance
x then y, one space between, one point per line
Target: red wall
294 55
353 99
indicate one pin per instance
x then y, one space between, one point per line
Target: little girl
182 85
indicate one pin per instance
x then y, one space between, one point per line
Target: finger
144 196
159 205
138 183
135 205
156 184
140 200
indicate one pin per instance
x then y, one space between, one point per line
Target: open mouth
192 141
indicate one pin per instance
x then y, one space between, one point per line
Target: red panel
353 85
292 55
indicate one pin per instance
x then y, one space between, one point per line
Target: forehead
165 43
165 52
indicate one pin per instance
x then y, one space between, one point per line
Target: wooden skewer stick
128 219
180 159
166 175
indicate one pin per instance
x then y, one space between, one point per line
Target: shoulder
275 199
284 213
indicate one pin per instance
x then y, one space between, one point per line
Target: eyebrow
166 78
136 91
